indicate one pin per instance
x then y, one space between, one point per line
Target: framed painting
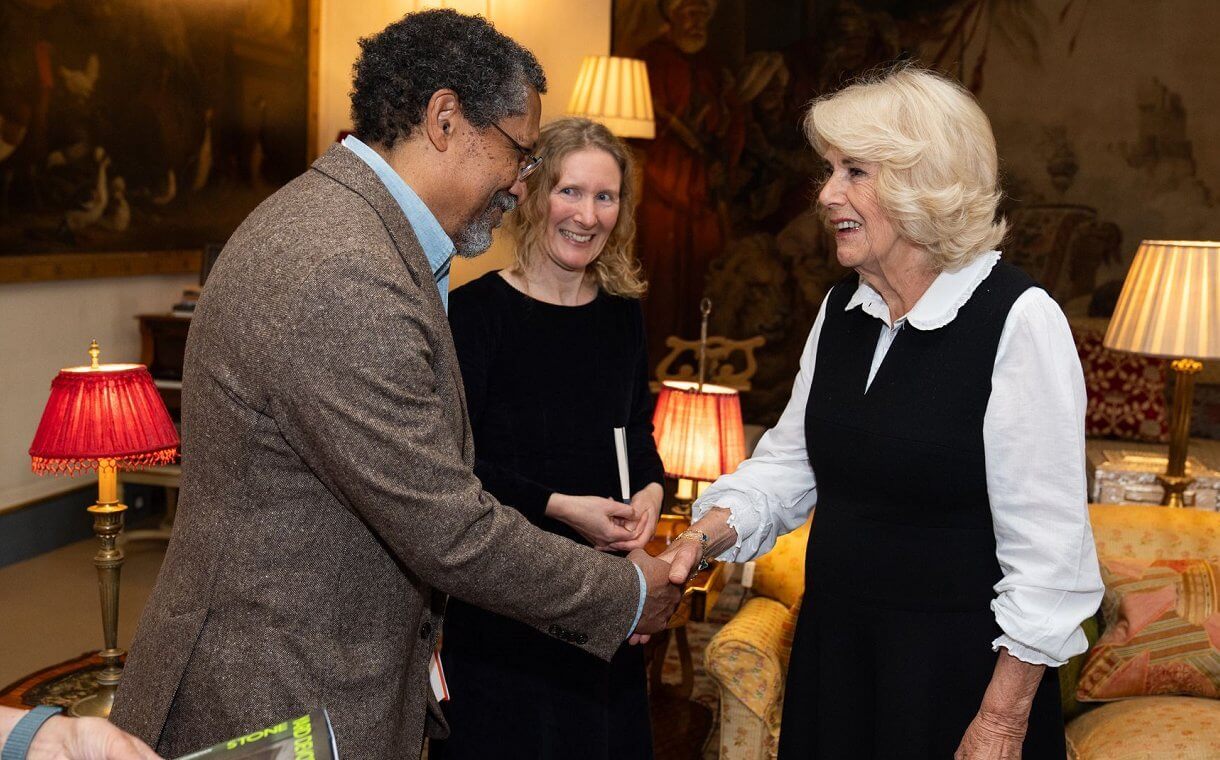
134 134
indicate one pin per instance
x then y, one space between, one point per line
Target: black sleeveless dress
892 651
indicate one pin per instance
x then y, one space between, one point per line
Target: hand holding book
308 737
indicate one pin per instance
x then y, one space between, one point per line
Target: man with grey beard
475 238
328 503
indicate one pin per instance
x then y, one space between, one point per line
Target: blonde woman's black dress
891 657
545 387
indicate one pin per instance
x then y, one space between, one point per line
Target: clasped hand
666 575
607 524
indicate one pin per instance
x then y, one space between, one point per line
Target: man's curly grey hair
402 66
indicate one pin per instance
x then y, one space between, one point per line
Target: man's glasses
529 162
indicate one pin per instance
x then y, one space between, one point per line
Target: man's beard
475 237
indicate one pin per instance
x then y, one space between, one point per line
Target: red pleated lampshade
698 433
110 412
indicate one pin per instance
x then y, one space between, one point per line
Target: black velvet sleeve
643 461
477 324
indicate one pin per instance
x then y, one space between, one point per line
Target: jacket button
582 638
555 631
425 630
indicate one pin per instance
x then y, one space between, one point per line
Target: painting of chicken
146 125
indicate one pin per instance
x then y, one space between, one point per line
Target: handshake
665 575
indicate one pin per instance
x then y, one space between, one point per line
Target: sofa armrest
744 656
742 735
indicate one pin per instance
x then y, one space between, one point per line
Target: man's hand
598 519
662 596
63 738
646 510
991 736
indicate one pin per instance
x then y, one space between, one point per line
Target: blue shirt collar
438 248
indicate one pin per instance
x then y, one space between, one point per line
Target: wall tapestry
1099 109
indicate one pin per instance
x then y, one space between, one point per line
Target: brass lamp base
95 705
685 494
681 507
98 704
107 525
1175 480
1174 487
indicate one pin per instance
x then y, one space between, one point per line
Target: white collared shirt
1033 438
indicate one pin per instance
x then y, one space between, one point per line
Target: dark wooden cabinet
163 338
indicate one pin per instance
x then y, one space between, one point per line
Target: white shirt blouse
1033 437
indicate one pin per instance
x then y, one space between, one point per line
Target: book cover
308 737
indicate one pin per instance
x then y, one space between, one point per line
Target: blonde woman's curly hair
937 176
616 269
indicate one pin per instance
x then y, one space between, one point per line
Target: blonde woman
553 359
936 422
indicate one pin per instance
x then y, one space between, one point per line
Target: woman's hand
600 520
998 729
645 511
63 738
991 736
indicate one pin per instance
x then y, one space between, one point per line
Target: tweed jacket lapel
346 168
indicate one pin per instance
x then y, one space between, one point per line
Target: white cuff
639 610
1023 653
744 518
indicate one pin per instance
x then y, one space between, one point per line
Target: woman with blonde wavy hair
553 358
936 423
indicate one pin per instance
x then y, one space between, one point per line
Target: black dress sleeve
643 462
477 318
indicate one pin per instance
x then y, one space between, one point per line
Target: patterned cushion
1182 728
780 573
1126 391
1069 673
1161 632
1130 530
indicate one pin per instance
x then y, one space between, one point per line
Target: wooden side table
162 349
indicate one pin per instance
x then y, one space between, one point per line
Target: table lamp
104 417
699 435
614 91
698 428
1170 307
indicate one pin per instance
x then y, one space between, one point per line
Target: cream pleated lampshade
615 92
1170 302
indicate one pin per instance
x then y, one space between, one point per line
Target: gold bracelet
701 537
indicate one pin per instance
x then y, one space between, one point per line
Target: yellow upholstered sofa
748 656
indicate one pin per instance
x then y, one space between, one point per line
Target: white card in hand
620 451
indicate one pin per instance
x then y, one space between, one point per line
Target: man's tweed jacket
328 503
